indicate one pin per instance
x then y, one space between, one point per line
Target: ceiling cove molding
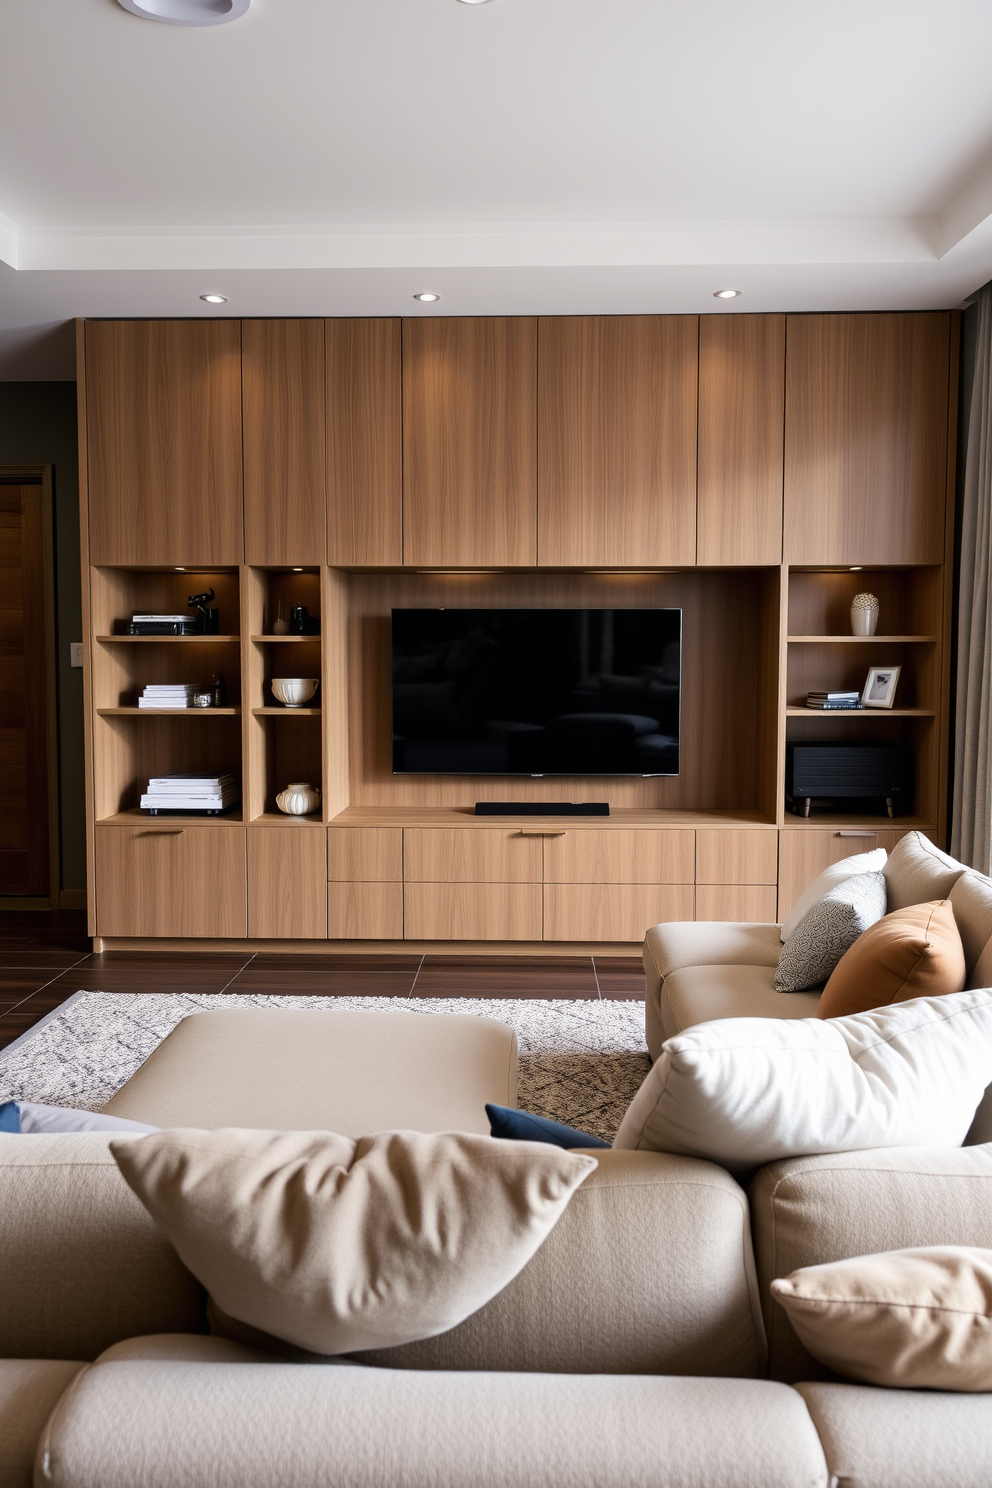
474 245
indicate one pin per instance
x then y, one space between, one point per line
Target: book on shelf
835 697
843 706
168 695
167 619
191 791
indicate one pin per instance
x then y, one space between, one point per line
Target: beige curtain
971 835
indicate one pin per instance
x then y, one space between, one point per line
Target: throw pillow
336 1245
915 952
521 1126
27 1117
916 872
826 931
869 862
917 1319
748 1091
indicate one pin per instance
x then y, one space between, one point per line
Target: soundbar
542 808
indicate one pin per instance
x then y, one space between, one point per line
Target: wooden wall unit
502 462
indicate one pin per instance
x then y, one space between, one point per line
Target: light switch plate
75 653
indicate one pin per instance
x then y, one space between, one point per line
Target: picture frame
880 688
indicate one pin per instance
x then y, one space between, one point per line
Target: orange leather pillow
913 952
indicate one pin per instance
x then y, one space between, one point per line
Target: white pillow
748 1091
26 1117
869 862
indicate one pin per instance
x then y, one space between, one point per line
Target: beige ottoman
288 1069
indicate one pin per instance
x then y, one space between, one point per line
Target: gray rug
580 1062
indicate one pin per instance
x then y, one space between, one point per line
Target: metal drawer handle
536 833
857 834
163 832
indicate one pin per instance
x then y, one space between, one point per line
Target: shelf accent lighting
214 299
428 298
725 294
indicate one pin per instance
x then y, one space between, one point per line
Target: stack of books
833 700
168 695
164 625
191 791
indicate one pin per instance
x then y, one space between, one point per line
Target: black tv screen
536 692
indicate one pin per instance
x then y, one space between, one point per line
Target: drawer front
471 855
364 911
733 855
805 852
287 896
365 854
467 911
615 912
171 880
754 902
622 855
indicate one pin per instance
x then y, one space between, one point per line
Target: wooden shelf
853 640
284 712
136 816
168 712
286 640
280 819
464 816
831 821
174 640
802 712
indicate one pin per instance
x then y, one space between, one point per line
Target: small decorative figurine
301 622
209 619
864 614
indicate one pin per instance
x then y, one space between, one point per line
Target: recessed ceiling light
475 2
188 12
428 298
215 299
725 294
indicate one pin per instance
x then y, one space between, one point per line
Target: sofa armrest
680 943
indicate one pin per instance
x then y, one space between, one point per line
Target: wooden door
741 428
287 891
612 912
282 369
866 437
28 787
619 855
472 911
171 880
805 852
470 441
364 442
617 430
467 855
163 428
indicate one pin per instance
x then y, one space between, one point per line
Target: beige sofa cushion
813 1210
82 1263
701 994
29 1392
916 871
648 1271
971 900
902 1439
685 943
178 1425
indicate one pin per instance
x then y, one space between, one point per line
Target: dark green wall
38 427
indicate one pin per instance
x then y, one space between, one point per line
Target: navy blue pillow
10 1117
521 1126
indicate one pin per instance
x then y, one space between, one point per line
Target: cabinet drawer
286 890
364 911
612 911
733 855
624 855
754 902
467 911
470 855
365 854
170 880
805 852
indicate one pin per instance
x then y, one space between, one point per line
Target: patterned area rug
580 1062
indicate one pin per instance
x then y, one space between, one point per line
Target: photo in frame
880 688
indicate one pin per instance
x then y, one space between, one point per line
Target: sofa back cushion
82 1263
916 872
971 900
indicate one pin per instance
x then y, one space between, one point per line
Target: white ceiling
335 156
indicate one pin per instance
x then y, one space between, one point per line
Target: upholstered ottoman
288 1069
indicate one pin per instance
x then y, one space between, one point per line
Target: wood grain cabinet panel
365 911
286 886
364 442
470 440
866 437
732 855
754 903
617 425
163 432
365 854
472 911
613 912
741 423
282 370
803 853
440 855
171 881
619 855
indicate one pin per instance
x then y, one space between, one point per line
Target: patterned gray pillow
827 930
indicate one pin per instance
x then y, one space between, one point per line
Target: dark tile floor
45 957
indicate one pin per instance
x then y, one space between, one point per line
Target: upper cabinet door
617 420
470 441
866 437
364 443
163 427
741 419
282 367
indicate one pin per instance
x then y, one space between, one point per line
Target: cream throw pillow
919 1319
336 1245
748 1091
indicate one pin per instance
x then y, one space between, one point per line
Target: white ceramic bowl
295 692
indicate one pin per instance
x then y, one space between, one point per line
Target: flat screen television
536 692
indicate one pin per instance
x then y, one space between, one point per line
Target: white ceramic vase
864 614
298 799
